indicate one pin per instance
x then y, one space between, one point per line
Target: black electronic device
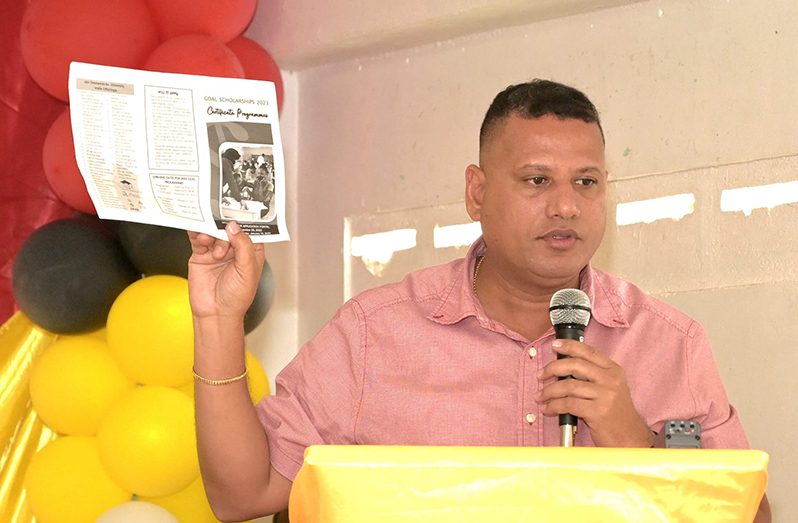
679 434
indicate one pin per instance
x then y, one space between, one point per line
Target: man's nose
562 202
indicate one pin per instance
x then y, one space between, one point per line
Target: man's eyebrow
543 168
535 167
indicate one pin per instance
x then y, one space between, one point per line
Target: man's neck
522 308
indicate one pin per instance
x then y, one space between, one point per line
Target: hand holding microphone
599 393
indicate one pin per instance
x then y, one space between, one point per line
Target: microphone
569 311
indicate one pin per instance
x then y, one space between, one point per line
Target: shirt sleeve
317 394
720 424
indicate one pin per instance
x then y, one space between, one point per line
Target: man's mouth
561 238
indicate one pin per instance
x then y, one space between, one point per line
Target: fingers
599 395
595 375
581 408
568 389
580 398
584 363
579 369
576 349
202 243
249 257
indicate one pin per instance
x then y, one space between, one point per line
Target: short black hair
539 98
231 154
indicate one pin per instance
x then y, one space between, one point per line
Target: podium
389 484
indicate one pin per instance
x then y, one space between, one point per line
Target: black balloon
264 297
68 273
154 249
163 250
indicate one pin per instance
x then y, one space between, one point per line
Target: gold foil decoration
22 433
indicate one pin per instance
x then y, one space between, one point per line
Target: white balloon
137 512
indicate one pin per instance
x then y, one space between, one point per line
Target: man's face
540 193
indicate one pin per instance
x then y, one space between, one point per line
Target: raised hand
223 275
598 394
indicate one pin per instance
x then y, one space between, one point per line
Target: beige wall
696 96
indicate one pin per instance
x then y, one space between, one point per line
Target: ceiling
305 33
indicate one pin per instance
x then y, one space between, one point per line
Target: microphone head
569 307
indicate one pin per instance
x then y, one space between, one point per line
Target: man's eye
587 182
537 180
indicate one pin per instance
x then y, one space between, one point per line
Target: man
462 353
229 157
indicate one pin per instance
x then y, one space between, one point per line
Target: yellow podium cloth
387 484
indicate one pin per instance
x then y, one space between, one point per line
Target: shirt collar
459 301
604 305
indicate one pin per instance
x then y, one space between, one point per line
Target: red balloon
109 32
61 168
258 64
222 20
195 54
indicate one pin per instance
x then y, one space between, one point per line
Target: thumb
243 248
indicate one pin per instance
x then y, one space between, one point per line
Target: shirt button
532 352
530 418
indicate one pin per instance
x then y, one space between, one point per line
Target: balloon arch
96 409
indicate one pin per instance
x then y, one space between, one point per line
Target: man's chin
561 272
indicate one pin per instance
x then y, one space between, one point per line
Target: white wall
696 96
275 340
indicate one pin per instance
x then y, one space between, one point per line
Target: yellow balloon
257 381
73 384
66 482
148 443
98 333
190 504
150 331
187 389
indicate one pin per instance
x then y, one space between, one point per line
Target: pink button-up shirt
419 363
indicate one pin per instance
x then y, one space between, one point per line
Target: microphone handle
568 332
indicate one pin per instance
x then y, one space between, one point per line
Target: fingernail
540 374
233 228
556 344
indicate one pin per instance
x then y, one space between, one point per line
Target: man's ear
474 191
